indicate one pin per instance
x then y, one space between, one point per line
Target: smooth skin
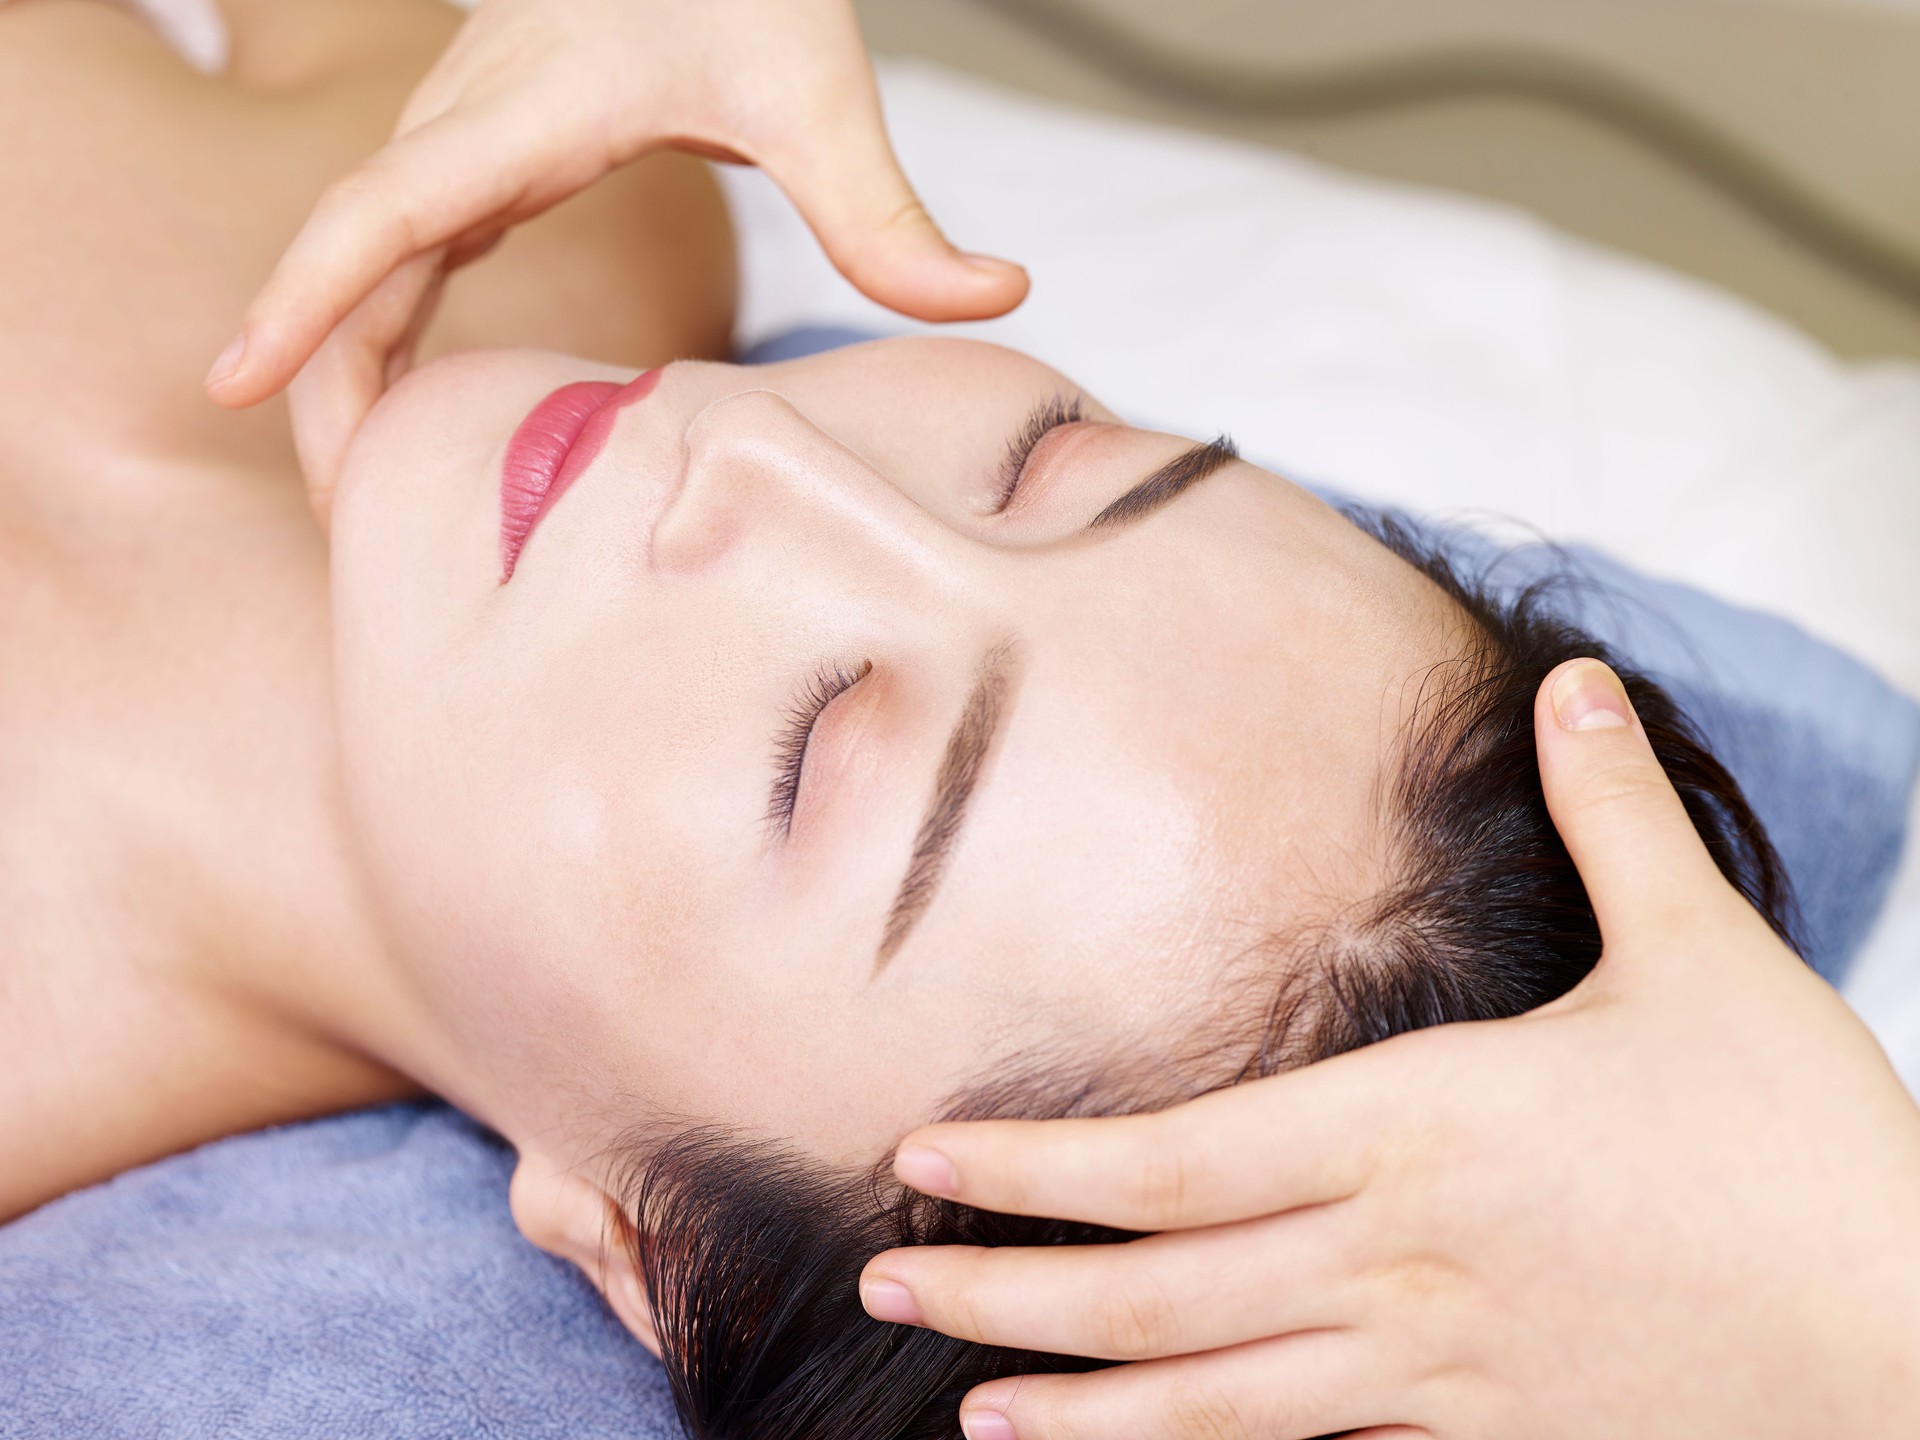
534 101
1679 1202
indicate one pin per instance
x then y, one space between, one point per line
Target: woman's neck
189 948
292 945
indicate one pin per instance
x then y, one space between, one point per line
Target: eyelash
1047 416
790 747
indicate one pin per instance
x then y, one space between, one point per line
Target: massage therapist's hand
1682 1201
535 100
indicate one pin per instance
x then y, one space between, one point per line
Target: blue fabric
360 1276
803 341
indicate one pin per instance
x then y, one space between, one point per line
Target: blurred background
1769 146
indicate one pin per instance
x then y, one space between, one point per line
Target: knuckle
872 242
1138 1323
1043 1413
1621 787
1160 1183
908 215
1420 1279
364 198
957 1308
978 1294
353 190
1199 1410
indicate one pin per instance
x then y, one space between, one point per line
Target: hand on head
1677 1202
533 102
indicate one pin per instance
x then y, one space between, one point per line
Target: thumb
844 179
1645 867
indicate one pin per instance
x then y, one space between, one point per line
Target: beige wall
1822 94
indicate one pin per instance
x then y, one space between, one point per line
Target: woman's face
793 778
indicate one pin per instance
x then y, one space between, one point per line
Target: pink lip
557 440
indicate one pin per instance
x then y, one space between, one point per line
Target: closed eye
1049 415
790 746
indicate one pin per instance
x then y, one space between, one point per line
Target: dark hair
751 1253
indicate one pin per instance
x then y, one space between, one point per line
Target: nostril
746 458
758 469
690 533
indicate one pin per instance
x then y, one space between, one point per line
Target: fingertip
945 285
1006 286
233 380
889 1301
228 363
247 371
995 269
985 1410
991 264
984 1422
982 286
927 1170
1585 694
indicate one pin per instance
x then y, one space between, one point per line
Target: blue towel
357 1276
360 1276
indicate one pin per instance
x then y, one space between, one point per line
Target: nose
757 467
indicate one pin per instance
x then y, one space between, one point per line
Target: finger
1294 1387
1316 1132
1644 865
334 392
1170 1294
421 191
843 177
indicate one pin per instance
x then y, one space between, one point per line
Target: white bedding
1426 349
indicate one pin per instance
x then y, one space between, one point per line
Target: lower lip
558 439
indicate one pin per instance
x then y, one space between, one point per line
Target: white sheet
1430 350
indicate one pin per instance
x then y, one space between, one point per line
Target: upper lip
558 439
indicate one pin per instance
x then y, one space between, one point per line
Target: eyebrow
1166 484
960 767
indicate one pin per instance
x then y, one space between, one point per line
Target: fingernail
985 1425
229 359
927 1171
890 1300
1589 696
991 264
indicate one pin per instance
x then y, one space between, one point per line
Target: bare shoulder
105 1070
146 203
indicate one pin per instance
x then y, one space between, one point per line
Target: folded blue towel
360 1276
